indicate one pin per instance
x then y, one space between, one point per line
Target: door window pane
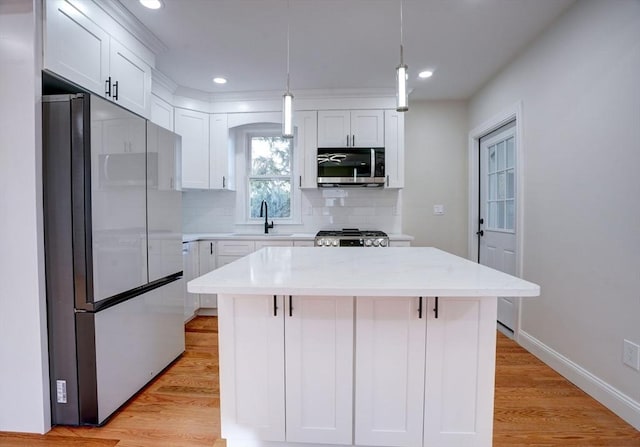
501 218
511 155
501 155
510 184
492 159
510 218
501 185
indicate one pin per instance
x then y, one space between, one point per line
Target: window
501 200
269 175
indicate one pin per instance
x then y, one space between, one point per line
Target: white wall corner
621 404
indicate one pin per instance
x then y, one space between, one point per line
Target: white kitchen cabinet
351 128
390 367
461 341
221 156
255 334
394 148
306 148
161 112
252 400
190 271
319 369
193 127
264 243
207 263
77 48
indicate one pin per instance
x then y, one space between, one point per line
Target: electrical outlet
631 355
61 391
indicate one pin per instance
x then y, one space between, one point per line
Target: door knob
480 233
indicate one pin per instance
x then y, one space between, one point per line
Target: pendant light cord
401 35
288 38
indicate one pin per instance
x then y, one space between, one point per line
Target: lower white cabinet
422 373
190 271
461 343
390 365
319 369
316 333
207 263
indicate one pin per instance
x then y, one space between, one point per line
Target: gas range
351 237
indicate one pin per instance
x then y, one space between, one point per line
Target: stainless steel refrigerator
113 233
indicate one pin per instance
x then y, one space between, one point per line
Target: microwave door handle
105 167
373 163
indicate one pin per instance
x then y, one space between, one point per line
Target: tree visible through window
270 175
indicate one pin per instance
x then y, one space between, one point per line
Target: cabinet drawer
235 248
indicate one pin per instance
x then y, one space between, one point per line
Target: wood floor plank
534 406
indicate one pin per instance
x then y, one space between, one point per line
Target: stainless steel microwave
351 166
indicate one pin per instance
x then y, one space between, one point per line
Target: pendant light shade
287 115
402 96
287 98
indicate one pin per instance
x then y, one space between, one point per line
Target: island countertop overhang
351 271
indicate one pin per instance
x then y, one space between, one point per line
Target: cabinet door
367 128
207 262
252 368
394 148
190 268
194 128
262 243
133 78
319 369
222 168
390 353
334 128
75 47
306 148
461 346
161 112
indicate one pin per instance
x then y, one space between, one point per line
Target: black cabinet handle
223 182
353 140
115 90
300 181
290 306
211 248
107 87
420 307
347 140
435 309
275 306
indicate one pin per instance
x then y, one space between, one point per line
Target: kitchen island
357 346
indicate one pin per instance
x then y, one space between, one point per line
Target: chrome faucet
267 225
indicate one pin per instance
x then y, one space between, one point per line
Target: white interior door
498 226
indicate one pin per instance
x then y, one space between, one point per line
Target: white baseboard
616 401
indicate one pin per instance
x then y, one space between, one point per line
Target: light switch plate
438 210
631 355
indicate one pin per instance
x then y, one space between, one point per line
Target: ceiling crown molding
163 80
122 15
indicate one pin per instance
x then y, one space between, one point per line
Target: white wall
24 390
436 173
580 90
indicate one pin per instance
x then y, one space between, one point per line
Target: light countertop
356 271
190 237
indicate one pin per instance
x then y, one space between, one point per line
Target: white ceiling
342 44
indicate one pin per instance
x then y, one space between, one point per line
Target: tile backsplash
321 209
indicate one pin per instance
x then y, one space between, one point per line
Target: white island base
389 367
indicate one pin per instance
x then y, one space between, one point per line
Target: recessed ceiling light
425 74
151 4
220 80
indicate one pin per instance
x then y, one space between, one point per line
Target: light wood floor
534 407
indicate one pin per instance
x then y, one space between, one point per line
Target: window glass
269 176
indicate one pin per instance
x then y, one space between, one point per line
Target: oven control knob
367 242
327 243
383 242
376 242
334 242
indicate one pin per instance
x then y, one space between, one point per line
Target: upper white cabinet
77 48
394 148
161 112
350 128
306 148
194 128
221 156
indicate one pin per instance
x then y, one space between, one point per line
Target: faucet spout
264 211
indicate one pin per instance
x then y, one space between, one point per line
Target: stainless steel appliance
351 237
351 166
112 254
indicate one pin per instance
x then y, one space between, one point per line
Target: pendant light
402 100
287 98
